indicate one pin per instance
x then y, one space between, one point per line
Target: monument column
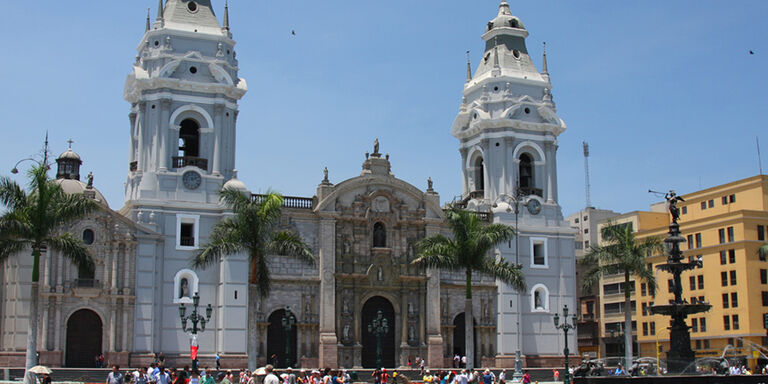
434 338
328 356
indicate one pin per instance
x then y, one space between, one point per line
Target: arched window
526 171
189 138
88 237
479 175
379 235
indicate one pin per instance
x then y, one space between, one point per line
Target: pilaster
328 354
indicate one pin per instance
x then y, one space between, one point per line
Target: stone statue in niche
345 306
537 300
380 275
347 246
411 333
308 306
410 308
345 332
184 288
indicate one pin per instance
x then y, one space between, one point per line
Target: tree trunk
627 322
469 325
34 299
253 329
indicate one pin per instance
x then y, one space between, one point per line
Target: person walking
115 377
162 377
526 378
271 378
218 361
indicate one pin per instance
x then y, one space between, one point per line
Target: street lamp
378 327
289 321
15 169
565 327
534 208
196 319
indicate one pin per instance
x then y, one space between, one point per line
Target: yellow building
725 226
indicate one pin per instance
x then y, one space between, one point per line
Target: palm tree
621 253
469 251
252 229
34 220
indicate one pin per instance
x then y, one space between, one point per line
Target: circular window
192 6
516 53
157 43
475 116
497 144
88 236
153 106
495 89
192 69
527 110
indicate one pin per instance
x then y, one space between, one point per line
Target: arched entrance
459 340
276 340
84 333
370 311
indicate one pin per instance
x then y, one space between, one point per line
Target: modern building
184 93
588 331
724 225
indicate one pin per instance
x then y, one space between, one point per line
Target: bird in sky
293 32
751 53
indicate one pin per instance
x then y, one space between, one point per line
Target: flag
193 348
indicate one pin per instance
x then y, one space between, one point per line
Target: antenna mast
586 172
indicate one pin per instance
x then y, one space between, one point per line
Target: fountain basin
679 308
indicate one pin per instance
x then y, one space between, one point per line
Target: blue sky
666 93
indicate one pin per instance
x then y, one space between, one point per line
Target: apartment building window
703 325
761 232
694 325
723 258
690 241
693 282
730 234
645 309
671 285
721 235
586 244
645 329
764 276
706 343
725 200
652 290
698 240
703 205
734 299
727 323
698 344
739 342
701 281
586 218
685 210
701 299
653 328
725 301
644 289
735 321
732 198
711 203
724 279
576 221
733 277
765 299
586 230
731 256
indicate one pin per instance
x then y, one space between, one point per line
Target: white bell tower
183 91
507 129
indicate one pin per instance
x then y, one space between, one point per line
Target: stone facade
184 91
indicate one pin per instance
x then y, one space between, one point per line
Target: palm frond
10 247
504 271
225 240
289 244
763 251
73 249
494 234
591 278
12 196
66 208
263 278
437 251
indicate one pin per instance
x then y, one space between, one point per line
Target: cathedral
184 93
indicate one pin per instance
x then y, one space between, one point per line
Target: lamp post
565 327
289 321
534 208
378 327
196 319
15 169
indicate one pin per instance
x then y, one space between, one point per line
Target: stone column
44 329
57 331
59 272
112 330
434 338
163 131
328 356
550 172
115 256
216 157
553 170
404 347
140 152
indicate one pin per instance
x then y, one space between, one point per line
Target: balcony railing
289 201
187 241
527 191
189 161
483 216
86 283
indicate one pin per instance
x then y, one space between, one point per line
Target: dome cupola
69 163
